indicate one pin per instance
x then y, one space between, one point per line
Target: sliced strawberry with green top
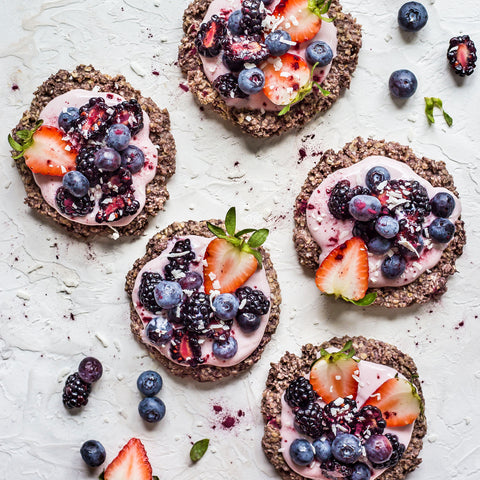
398 401
230 260
130 464
298 19
333 374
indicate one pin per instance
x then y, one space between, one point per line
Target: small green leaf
368 299
320 8
198 450
155 478
27 140
258 238
244 231
230 221
15 145
324 92
430 104
448 118
217 231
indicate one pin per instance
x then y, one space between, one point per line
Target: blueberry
412 16
319 52
149 383
226 306
90 369
402 83
394 266
234 22
441 230
347 448
375 176
168 294
323 449
412 248
107 159
301 452
68 117
277 42
76 183
225 350
248 322
251 80
118 137
361 471
379 245
442 204
133 158
159 331
364 207
93 453
387 226
191 281
378 449
151 409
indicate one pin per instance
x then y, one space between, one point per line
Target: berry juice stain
225 418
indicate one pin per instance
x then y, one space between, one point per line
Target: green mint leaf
231 221
430 104
198 450
217 231
245 231
368 299
258 238
448 118
320 8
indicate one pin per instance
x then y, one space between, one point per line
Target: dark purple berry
133 158
90 369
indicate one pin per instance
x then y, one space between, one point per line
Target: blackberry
196 313
336 470
398 451
185 348
241 50
340 195
179 263
368 421
118 183
252 301
146 291
300 393
95 117
364 230
227 86
85 164
74 206
309 420
253 14
129 114
220 330
210 37
114 207
339 415
462 55
76 391
410 190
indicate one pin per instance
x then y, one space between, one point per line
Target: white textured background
46 277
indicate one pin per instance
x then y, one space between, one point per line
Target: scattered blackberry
85 164
309 420
300 393
130 114
398 451
252 301
410 190
118 183
368 421
196 313
339 415
74 206
181 263
146 291
210 37
336 470
462 55
253 14
241 50
113 207
340 195
95 117
76 392
185 348
227 86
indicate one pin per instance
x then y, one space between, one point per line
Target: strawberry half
398 401
344 272
130 464
333 374
285 77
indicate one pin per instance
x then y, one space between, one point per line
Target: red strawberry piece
50 154
185 349
398 401
284 77
130 464
114 207
210 37
344 272
334 375
462 55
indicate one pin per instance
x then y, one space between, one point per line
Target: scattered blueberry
76 183
394 266
149 383
133 158
90 369
151 409
319 52
67 119
412 16
225 350
107 159
191 281
413 249
277 42
159 331
442 204
375 176
234 22
225 306
118 137
402 83
251 80
378 449
168 294
323 449
248 321
364 207
387 226
93 453
441 230
379 245
361 471
347 448
301 452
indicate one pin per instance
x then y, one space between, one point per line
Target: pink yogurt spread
371 376
50 184
329 232
214 67
247 342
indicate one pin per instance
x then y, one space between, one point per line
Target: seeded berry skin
118 137
338 416
277 42
319 53
90 370
159 331
67 119
248 322
225 306
75 392
167 294
107 159
93 453
251 80
441 230
300 393
76 183
462 55
151 409
379 245
85 163
412 16
255 301
368 421
309 420
387 226
346 448
234 21
179 265
73 206
252 17
210 37
442 204
394 266
375 176
364 207
149 383
402 83
146 292
323 449
196 313
301 452
361 471
225 350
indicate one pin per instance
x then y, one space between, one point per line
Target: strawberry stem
26 140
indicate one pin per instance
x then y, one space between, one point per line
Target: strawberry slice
285 77
398 401
50 154
344 272
333 374
298 20
130 464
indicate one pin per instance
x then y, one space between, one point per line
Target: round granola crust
432 283
201 373
269 123
290 367
86 77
